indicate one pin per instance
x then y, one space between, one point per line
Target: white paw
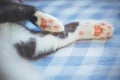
93 29
103 30
48 23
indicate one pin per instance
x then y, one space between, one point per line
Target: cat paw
95 30
48 23
102 30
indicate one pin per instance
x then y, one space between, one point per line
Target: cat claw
48 23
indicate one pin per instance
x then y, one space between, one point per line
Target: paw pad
56 27
103 23
81 33
51 21
43 23
108 33
109 27
98 30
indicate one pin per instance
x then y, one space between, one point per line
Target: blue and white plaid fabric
84 60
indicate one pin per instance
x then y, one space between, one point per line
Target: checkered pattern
84 60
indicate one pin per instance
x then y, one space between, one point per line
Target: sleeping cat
19 45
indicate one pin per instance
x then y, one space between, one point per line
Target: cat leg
74 31
42 43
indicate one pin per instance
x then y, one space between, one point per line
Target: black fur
14 11
10 1
26 49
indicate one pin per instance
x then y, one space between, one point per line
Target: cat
19 45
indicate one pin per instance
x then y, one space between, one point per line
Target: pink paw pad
98 30
108 33
51 21
81 33
56 27
43 23
103 23
109 27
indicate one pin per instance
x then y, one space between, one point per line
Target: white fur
19 68
13 65
50 26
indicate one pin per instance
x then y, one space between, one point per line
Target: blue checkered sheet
85 59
